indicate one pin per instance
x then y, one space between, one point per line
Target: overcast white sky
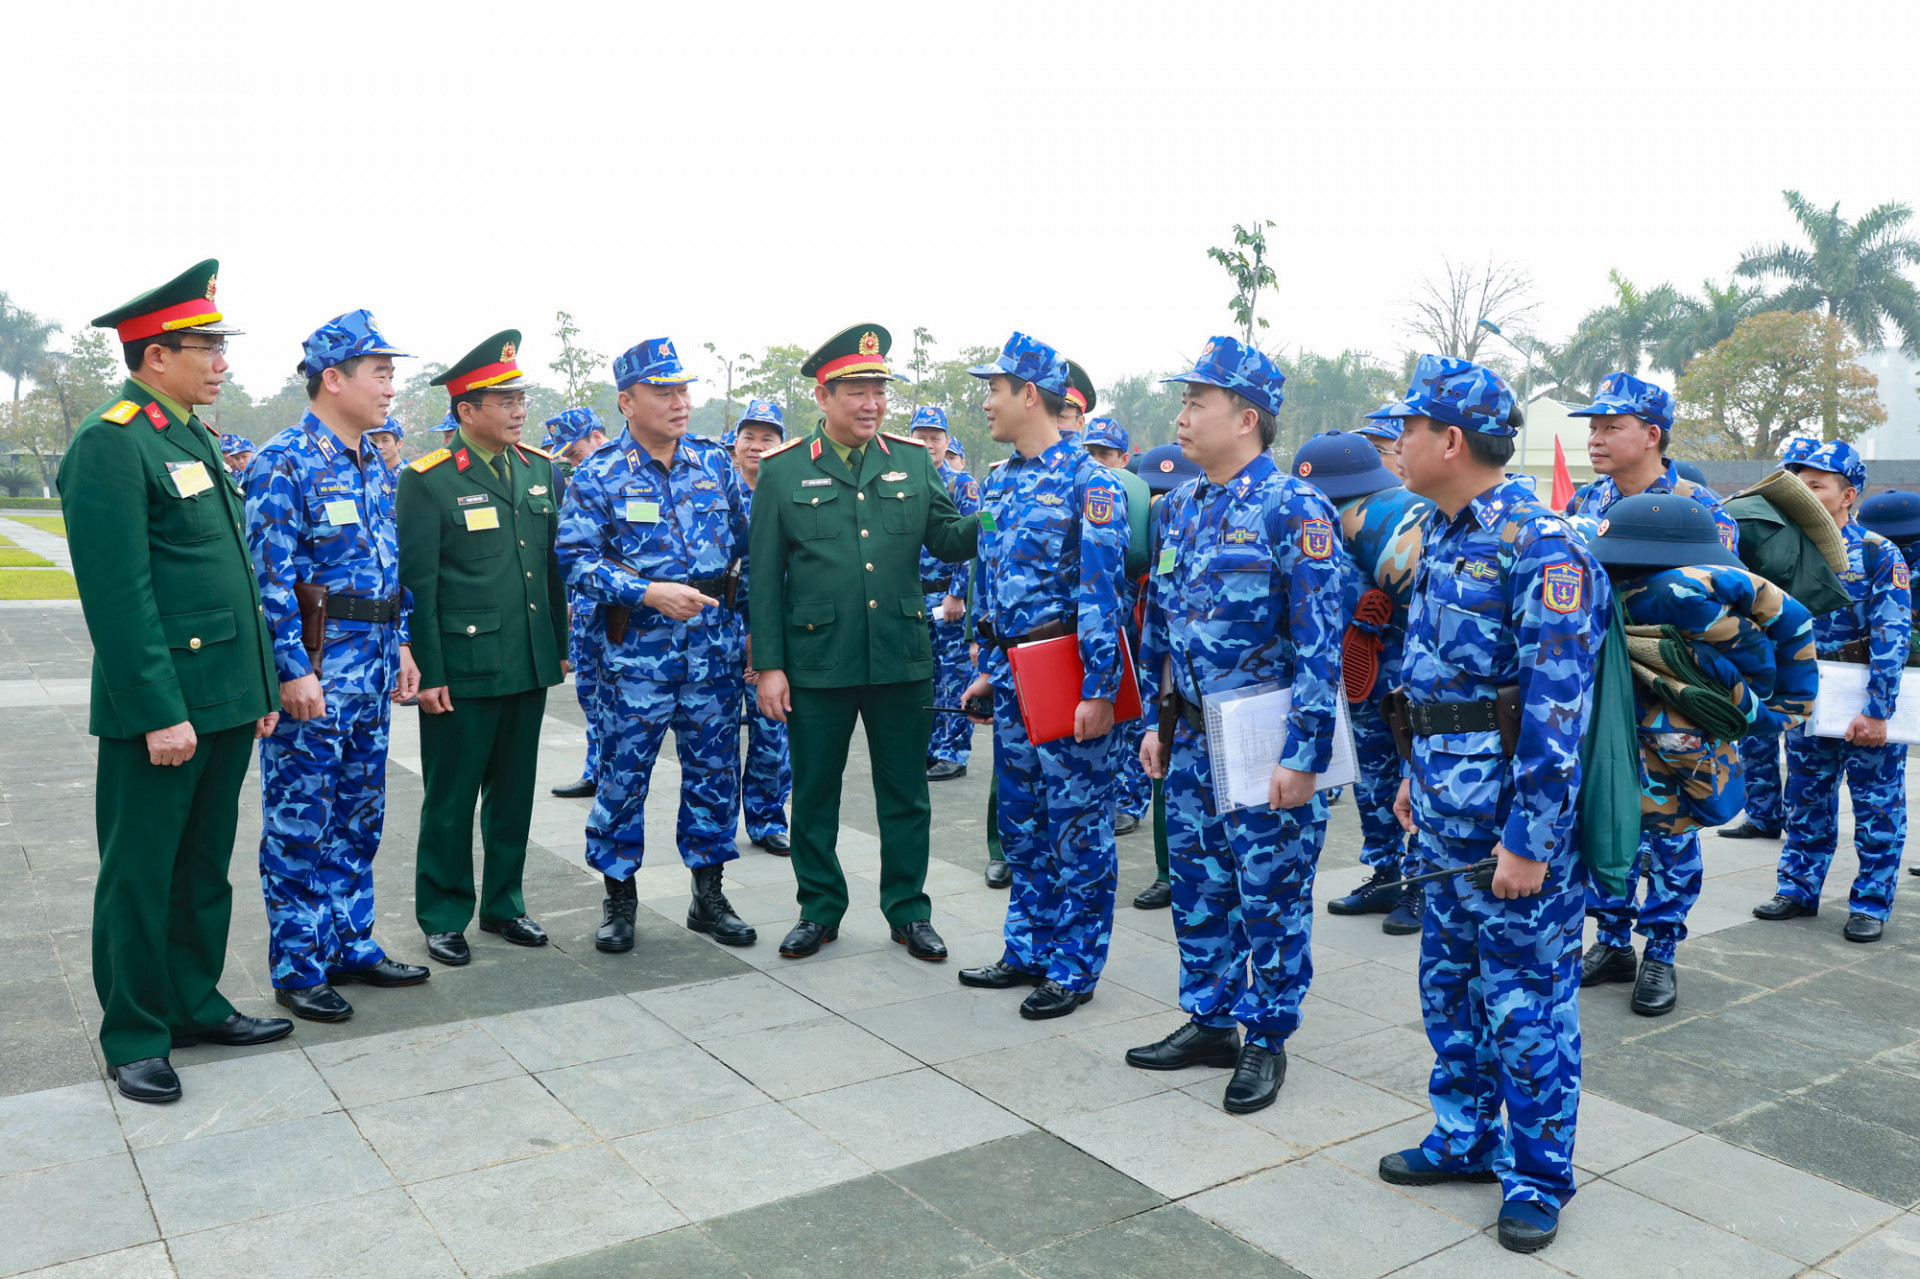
748 173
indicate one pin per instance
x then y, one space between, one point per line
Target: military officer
572 437
387 439
1505 594
1051 567
320 514
766 778
840 631
956 454
1248 586
945 588
1632 422
1384 435
236 451
1381 525
183 683
489 629
1875 630
1077 402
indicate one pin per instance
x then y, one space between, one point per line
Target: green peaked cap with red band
491 364
860 351
1080 387
183 304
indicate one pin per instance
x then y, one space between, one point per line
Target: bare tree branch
1446 313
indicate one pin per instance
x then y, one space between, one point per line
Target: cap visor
220 328
985 370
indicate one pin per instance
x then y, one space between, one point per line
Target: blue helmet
1342 465
1166 468
1660 530
1894 515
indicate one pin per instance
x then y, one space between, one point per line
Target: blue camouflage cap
1625 393
955 447
1105 433
1166 468
1341 465
731 438
451 422
928 417
1797 449
1386 428
231 444
1030 360
1893 514
568 428
1457 392
344 337
392 427
1244 370
654 361
1839 457
762 413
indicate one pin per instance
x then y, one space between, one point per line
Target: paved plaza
691 1111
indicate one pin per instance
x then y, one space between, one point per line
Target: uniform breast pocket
707 521
901 508
815 514
185 520
1469 627
477 533
202 647
1240 582
1038 536
542 511
470 642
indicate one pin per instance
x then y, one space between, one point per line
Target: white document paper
1843 694
1246 733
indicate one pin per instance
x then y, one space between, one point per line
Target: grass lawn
56 524
36 584
12 556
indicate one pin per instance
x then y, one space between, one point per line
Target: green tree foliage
1780 372
17 482
1145 407
23 342
1853 271
1331 393
576 363
1246 263
1620 335
1702 323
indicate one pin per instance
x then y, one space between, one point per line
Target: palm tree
1854 271
1619 336
23 342
1702 323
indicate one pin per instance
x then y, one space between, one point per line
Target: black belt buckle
929 588
361 608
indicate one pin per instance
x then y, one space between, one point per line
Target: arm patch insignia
1560 587
1316 539
1901 578
1099 506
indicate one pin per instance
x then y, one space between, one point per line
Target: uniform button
194 643
809 625
816 501
471 629
523 543
863 532
261 609
869 568
529 575
870 604
533 608
861 496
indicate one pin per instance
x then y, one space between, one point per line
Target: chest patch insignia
470 499
1560 587
1480 570
1099 506
1051 499
1240 536
893 477
815 484
1316 539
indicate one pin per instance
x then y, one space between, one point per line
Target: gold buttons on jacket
869 568
861 496
472 629
533 607
870 604
194 643
863 532
809 625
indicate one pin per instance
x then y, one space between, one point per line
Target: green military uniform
154 523
835 602
490 625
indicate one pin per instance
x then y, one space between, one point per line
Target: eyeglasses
514 400
218 348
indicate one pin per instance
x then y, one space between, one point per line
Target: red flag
1562 480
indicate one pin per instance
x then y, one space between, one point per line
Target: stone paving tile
1053 1079
1877 1096
517 1215
1867 1157
685 1253
226 1096
1821 1026
1396 1059
72 1211
1611 1135
1166 1242
739 1160
215 1181
571 1034
1868 996
408 1063
1319 1107
1679 1091
960 1023
1892 1252
1323 1023
850 983
1766 1059
1382 992
1480 1256
730 1006
366 1237
57 1126
809 1056
860 1229
442 1133
147 1261
902 1119
1608 1232
1174 1143
657 1089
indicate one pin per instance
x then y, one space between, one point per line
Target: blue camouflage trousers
953 671
1500 996
1136 788
1877 780
1383 844
635 715
586 680
1056 829
1242 900
766 778
323 796
1673 869
1760 780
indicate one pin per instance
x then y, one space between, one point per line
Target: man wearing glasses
1384 435
489 629
183 682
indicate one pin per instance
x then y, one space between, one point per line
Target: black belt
362 608
1065 626
929 586
714 586
1429 718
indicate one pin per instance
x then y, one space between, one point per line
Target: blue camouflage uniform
952 734
564 430
1504 594
766 778
1881 613
1135 791
1247 587
1053 555
234 445
628 521
320 513
1895 515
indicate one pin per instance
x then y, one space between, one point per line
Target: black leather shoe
711 913
1604 963
314 1003
616 916
776 842
1657 990
1411 1167
149 1079
1256 1081
520 930
1052 1000
1779 907
1191 1045
1374 897
1155 896
999 874
1747 830
1125 824
1862 928
237 1031
585 788
1527 1226
999 975
449 948
921 941
387 972
806 939
945 770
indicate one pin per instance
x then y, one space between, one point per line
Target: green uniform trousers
163 903
819 730
485 749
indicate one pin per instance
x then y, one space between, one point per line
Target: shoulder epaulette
121 413
994 466
528 448
783 448
431 460
904 439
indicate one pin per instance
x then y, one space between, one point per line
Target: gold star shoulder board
122 413
798 439
528 448
904 439
431 460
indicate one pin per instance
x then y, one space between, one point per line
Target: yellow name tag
342 512
639 512
480 517
192 478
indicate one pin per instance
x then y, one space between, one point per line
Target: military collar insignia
633 457
814 452
461 461
156 415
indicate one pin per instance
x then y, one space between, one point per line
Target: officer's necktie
499 465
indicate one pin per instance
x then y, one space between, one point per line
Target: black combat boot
711 913
617 911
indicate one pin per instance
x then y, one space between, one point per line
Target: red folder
1046 679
